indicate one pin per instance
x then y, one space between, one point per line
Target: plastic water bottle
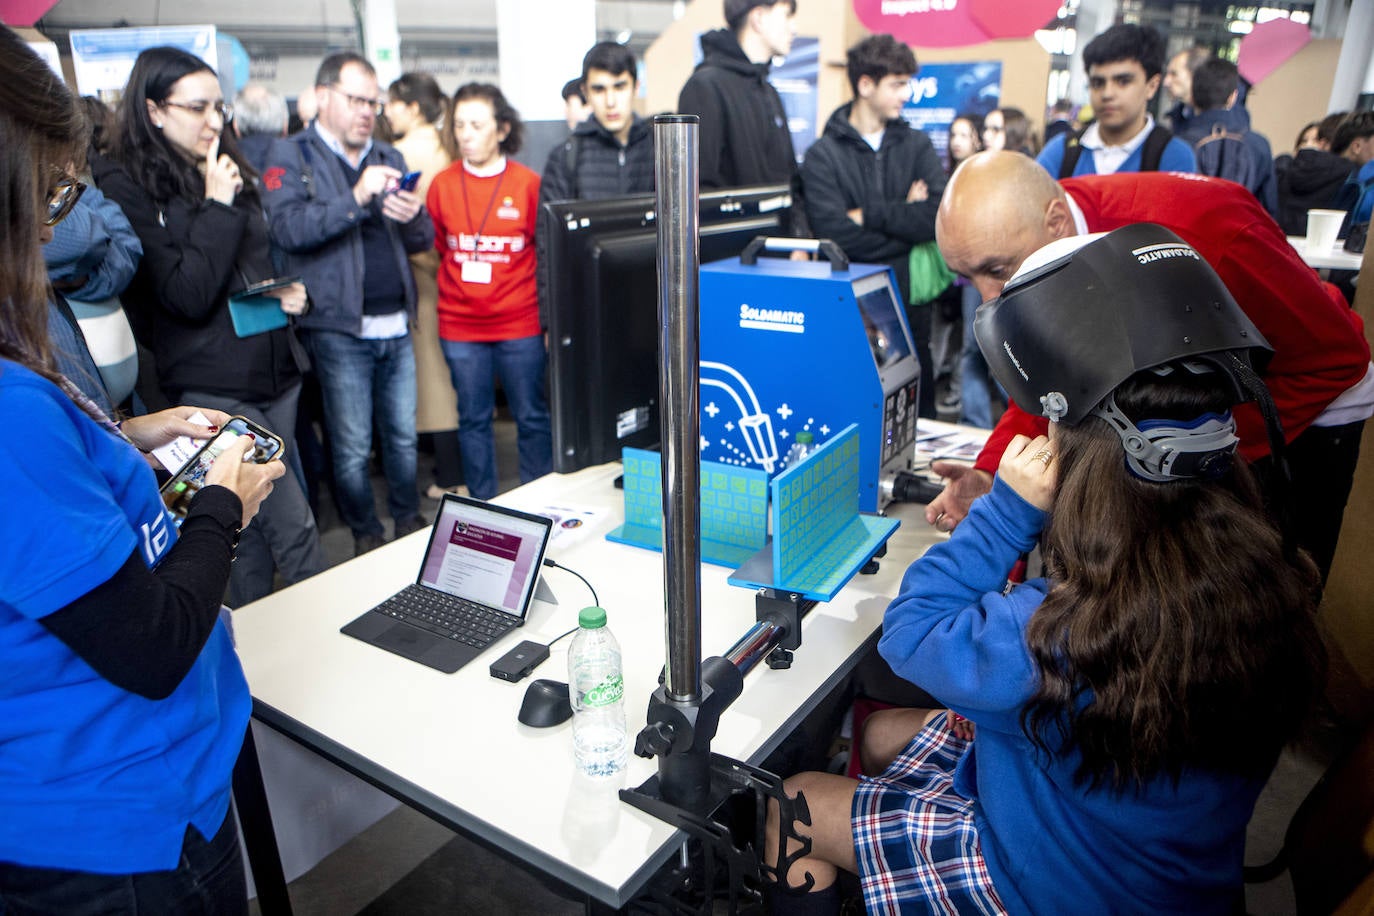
597 689
803 445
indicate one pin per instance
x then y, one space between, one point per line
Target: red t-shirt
1319 346
484 230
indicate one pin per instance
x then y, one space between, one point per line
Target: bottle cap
591 618
805 436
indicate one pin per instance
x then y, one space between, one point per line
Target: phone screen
178 492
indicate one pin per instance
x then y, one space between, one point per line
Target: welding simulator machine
806 346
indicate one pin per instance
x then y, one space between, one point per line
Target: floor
408 865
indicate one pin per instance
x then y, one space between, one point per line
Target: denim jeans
976 383
365 382
283 537
208 881
520 364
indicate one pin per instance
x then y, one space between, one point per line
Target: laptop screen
484 553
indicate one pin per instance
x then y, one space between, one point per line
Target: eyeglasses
223 109
360 102
62 198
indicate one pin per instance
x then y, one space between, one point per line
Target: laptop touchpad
406 640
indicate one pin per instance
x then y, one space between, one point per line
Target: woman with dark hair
1123 712
190 197
484 209
1009 128
417 110
123 707
965 138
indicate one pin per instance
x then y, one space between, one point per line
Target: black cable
595 600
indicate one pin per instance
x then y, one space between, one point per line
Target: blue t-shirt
93 777
1162 848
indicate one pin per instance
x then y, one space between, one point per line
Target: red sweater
506 307
1318 340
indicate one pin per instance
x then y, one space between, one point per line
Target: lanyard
467 209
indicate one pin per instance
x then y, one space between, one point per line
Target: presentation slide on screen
487 561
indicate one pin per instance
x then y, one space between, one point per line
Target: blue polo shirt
93 777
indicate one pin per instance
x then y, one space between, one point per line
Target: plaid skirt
914 837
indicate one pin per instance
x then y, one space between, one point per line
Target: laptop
475 585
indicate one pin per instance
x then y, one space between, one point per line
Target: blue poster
942 92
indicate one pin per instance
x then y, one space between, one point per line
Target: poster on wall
943 91
796 79
102 58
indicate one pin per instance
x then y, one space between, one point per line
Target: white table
1335 259
450 745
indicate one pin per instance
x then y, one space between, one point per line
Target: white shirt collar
1080 222
336 146
1108 159
497 166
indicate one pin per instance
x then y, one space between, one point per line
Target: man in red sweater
999 207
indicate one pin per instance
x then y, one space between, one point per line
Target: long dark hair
1175 635
424 91
149 157
43 134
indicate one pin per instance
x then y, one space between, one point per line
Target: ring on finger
1043 455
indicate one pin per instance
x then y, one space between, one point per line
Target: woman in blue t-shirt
1127 708
122 706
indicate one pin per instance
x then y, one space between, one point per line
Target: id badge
476 272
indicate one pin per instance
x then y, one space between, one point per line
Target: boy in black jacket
872 184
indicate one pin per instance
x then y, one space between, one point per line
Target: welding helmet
1084 314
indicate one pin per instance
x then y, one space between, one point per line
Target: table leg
255 818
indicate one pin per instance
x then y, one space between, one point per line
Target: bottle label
609 691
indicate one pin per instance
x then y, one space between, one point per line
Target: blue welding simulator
806 346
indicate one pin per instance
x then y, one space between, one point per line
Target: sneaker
410 525
436 492
363 543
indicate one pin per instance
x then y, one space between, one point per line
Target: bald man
1000 207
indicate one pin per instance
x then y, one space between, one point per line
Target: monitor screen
599 286
887 337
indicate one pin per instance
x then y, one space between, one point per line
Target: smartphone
178 492
409 181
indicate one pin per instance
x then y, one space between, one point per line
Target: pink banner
21 14
1268 46
955 23
484 540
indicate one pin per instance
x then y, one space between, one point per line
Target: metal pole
679 263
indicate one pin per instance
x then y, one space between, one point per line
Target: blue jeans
365 382
975 382
520 364
208 881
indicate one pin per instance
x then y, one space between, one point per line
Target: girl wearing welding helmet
1128 707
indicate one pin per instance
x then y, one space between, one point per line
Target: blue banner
941 92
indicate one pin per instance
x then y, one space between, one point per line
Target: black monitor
598 267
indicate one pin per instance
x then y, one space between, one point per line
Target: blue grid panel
734 507
815 503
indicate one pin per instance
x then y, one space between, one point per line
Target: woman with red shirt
484 208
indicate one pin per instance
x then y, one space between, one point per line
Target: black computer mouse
546 703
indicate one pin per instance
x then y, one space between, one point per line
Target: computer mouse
546 703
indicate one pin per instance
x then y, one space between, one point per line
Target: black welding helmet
1086 313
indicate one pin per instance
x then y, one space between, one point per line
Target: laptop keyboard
447 616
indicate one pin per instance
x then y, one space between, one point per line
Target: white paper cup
1322 228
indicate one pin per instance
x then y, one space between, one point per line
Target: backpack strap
571 149
1152 150
1073 148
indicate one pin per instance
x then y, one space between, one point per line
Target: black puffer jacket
601 167
1310 180
842 173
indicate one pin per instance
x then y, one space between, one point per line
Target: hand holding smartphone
178 492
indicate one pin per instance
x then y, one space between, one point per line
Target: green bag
930 276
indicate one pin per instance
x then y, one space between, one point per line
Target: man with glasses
343 223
